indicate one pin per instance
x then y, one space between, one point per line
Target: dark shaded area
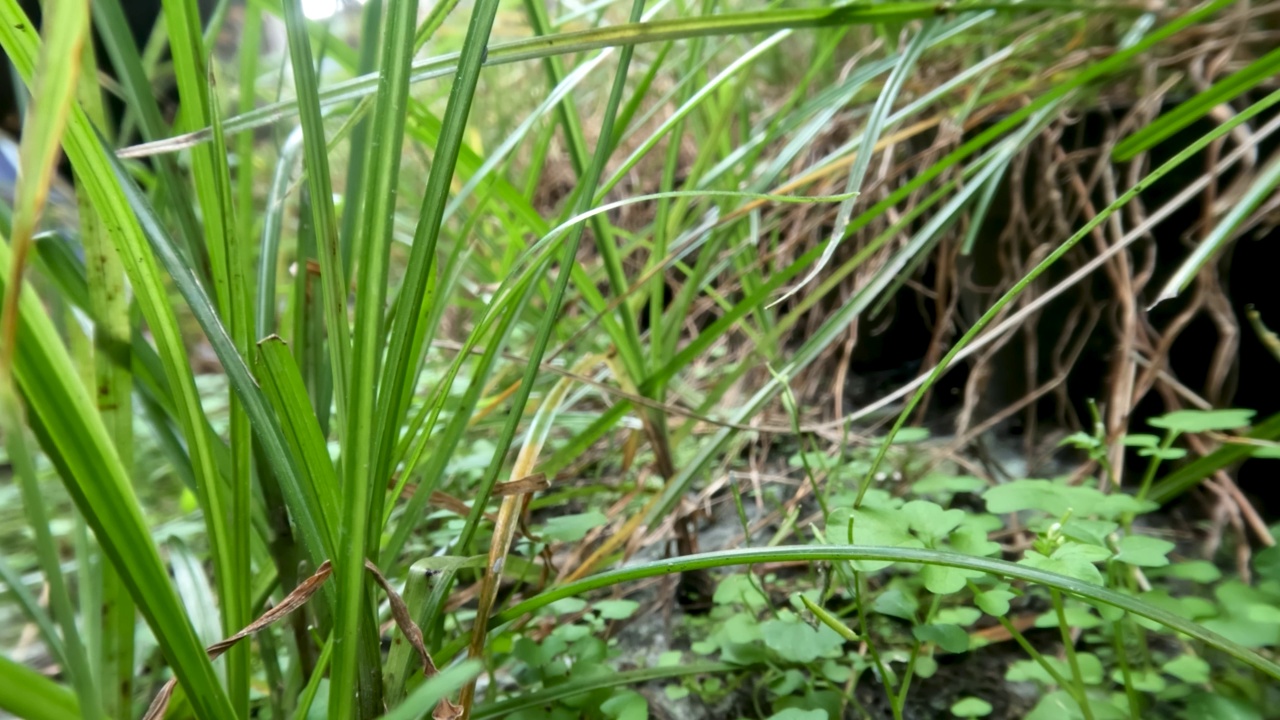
1020 230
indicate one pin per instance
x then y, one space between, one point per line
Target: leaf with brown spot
400 612
447 710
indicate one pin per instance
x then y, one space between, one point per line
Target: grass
605 259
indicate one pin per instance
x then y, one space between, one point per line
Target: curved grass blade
72 435
1094 594
53 92
27 694
426 696
112 386
629 35
272 222
629 678
870 136
1261 189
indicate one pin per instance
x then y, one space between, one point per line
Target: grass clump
441 336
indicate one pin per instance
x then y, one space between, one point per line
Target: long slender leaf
630 35
72 434
27 694
1225 90
317 537
333 274
1094 594
1262 188
364 482
54 87
541 698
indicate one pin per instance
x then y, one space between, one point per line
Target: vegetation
412 332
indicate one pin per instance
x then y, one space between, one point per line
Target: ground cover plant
618 360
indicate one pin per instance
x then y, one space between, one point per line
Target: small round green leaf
1188 668
971 707
951 638
1144 551
570 528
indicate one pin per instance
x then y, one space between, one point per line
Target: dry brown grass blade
612 543
400 613
446 709
522 486
511 510
291 602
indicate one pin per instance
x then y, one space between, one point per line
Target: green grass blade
333 275
272 225
239 313
247 78
628 678
225 513
423 699
629 35
116 37
265 426
284 388
27 694
1093 594
403 349
73 436
1261 189
53 90
364 483
370 25
112 385
1225 90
